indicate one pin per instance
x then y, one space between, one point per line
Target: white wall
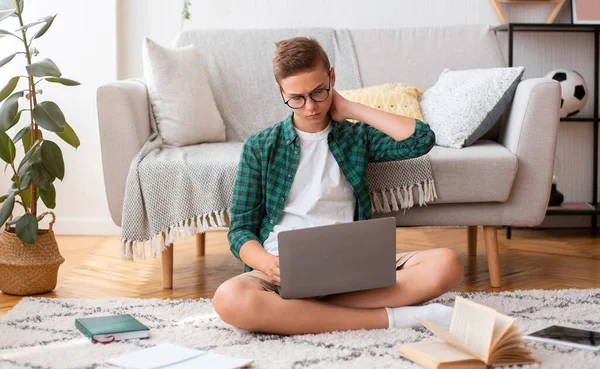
82 42
96 42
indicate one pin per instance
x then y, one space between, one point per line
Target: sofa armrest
124 124
531 132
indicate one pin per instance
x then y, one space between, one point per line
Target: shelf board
545 27
572 208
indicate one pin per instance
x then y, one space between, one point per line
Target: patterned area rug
40 333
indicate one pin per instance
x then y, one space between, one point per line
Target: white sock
404 316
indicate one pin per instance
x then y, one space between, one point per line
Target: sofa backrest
412 55
417 55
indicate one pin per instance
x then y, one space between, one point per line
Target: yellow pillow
396 98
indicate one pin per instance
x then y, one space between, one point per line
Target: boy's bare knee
449 270
233 303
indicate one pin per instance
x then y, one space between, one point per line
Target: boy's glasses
318 95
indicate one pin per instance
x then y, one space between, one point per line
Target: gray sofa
503 179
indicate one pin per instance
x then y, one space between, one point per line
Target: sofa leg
472 236
490 234
167 267
200 243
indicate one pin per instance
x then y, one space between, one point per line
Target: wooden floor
532 259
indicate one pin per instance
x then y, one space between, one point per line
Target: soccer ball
574 91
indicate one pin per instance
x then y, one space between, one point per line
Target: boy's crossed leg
246 304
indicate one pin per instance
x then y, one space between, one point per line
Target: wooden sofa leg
200 243
472 236
490 234
167 267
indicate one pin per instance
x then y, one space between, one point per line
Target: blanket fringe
161 241
394 199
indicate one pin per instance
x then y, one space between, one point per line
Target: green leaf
43 68
53 159
49 196
44 28
4 32
69 136
49 116
9 111
9 88
27 139
7 59
30 153
25 181
63 81
14 220
7 208
39 21
27 228
3 198
41 176
7 148
22 133
33 51
26 196
6 13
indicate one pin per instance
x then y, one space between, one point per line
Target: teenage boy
311 170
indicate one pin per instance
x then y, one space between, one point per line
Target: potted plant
29 256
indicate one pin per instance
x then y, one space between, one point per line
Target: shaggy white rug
40 333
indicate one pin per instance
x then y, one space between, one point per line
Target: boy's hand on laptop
340 107
272 270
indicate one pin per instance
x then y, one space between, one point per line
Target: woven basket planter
28 269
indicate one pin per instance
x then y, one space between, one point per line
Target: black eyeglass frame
328 89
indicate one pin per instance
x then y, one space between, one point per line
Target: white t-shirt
320 194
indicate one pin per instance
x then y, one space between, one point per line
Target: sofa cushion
483 172
465 104
181 96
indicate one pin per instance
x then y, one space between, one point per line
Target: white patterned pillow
464 105
183 102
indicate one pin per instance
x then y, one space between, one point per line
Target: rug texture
40 333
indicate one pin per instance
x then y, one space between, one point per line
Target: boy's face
312 82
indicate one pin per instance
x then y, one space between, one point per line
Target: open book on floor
479 336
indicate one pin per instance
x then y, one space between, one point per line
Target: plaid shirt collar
290 132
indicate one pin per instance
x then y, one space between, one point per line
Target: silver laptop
337 258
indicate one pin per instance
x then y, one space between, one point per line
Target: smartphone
570 336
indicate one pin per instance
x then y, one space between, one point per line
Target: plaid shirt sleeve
384 148
247 209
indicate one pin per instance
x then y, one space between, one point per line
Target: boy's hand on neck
341 108
396 126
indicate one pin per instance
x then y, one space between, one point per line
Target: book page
473 325
446 336
155 357
213 361
436 351
502 327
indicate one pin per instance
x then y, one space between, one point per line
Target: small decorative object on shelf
574 93
585 12
557 5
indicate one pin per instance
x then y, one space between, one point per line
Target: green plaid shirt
270 158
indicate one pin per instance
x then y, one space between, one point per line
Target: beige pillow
180 94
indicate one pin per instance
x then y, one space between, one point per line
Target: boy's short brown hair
297 55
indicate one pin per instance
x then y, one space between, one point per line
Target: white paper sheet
167 355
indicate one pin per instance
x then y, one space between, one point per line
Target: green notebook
106 329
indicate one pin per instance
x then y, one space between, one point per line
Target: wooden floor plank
532 259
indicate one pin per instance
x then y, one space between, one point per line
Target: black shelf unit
593 208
